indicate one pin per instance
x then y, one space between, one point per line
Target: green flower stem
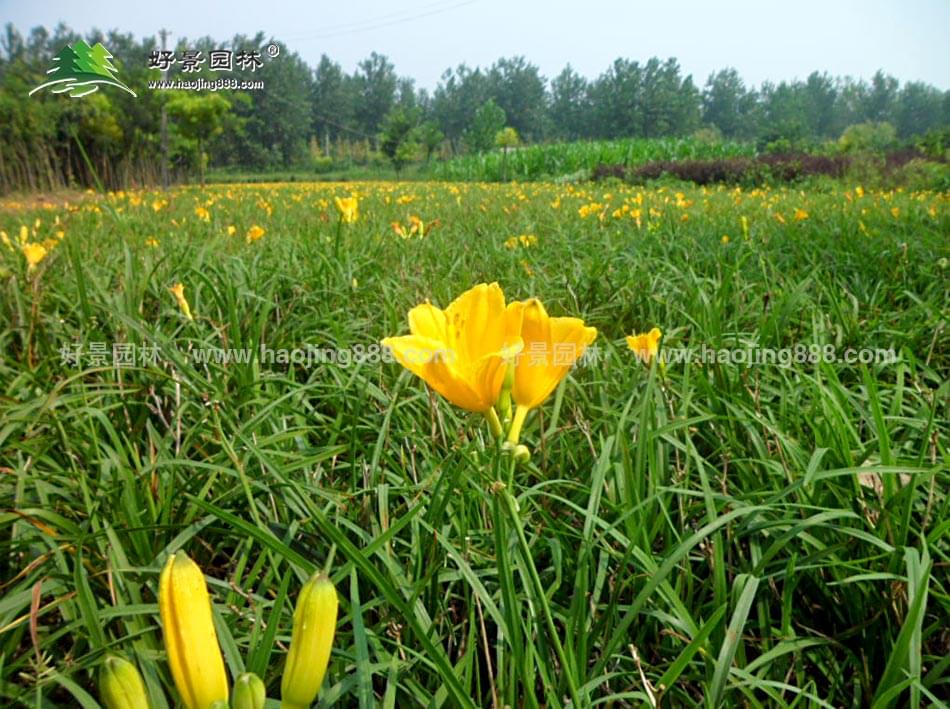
541 600
336 240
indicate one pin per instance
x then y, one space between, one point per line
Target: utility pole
164 35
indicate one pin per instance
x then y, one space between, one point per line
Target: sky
763 40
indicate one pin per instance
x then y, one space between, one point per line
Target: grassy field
700 532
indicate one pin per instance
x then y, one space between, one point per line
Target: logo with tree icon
79 70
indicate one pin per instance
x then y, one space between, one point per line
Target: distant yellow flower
511 242
152 242
725 239
397 228
592 208
528 240
645 345
34 254
416 225
254 233
159 204
6 239
859 191
191 642
349 208
800 215
232 230
551 347
895 212
203 214
462 352
178 290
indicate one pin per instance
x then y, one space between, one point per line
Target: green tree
397 139
458 96
569 105
615 97
919 108
487 121
868 137
199 118
728 105
375 84
333 101
518 88
430 137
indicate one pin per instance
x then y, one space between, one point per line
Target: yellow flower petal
645 345
462 352
551 347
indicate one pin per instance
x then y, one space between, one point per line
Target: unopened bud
310 643
121 686
249 692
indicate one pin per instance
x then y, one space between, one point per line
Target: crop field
757 515
533 162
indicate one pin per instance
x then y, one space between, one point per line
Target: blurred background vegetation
506 121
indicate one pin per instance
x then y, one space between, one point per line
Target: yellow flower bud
190 638
310 643
121 686
249 692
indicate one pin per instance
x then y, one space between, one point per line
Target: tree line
113 137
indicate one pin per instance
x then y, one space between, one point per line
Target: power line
399 14
390 23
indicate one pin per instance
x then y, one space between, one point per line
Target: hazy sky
763 40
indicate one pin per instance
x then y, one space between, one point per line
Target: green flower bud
522 453
249 692
310 643
120 685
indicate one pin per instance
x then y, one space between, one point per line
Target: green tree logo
78 70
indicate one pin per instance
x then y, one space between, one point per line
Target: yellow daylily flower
178 290
645 345
254 233
310 643
349 208
462 352
551 347
34 254
191 642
